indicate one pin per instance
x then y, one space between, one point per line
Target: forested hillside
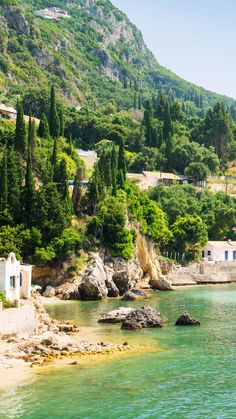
93 56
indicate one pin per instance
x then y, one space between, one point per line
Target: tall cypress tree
140 101
114 170
14 184
4 182
43 130
54 161
161 105
54 120
20 134
167 125
147 120
32 135
62 122
121 158
29 189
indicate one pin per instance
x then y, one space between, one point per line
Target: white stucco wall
218 253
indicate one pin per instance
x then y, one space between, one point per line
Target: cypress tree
54 120
77 191
121 158
43 130
14 184
140 101
120 179
148 115
167 125
54 161
29 189
161 105
135 100
20 134
4 182
32 135
62 123
114 170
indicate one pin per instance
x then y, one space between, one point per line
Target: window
226 255
234 255
21 279
203 254
209 253
12 282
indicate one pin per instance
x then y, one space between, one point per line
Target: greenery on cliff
93 57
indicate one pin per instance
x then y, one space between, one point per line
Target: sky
194 38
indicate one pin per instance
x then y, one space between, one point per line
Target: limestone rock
115 316
143 317
162 284
135 294
186 320
93 284
49 292
68 291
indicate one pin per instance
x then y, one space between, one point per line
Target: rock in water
93 285
49 292
143 317
185 320
135 294
115 316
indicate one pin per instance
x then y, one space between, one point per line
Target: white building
15 278
219 251
89 157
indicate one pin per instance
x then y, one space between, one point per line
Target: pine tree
43 130
20 134
54 120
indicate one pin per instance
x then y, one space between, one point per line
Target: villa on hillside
15 278
7 112
89 157
219 251
146 180
52 13
11 114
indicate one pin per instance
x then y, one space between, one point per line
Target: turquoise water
183 373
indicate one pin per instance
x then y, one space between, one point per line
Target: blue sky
194 38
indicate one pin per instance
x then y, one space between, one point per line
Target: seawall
17 321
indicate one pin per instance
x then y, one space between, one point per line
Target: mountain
89 50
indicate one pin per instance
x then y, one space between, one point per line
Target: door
234 255
226 255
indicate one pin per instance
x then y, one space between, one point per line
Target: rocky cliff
106 275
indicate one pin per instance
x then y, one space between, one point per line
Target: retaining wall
17 321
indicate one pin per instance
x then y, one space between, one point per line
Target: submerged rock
135 294
115 316
185 320
143 317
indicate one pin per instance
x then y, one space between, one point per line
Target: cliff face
106 275
94 55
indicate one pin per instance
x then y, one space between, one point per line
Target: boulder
93 283
161 284
115 316
143 317
135 294
185 320
68 291
49 292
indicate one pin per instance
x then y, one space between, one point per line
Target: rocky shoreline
54 343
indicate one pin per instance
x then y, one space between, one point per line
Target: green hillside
93 56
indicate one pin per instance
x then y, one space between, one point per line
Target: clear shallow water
184 373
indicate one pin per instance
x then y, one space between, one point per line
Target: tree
161 105
20 133
4 183
54 120
197 171
29 189
167 125
114 170
62 122
14 184
148 123
43 130
121 159
32 135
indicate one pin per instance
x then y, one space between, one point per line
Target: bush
6 302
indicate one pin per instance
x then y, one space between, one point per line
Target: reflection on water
192 377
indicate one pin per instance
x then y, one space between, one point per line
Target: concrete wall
17 321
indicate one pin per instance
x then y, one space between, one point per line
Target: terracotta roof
6 108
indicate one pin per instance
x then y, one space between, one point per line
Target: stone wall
204 273
16 321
